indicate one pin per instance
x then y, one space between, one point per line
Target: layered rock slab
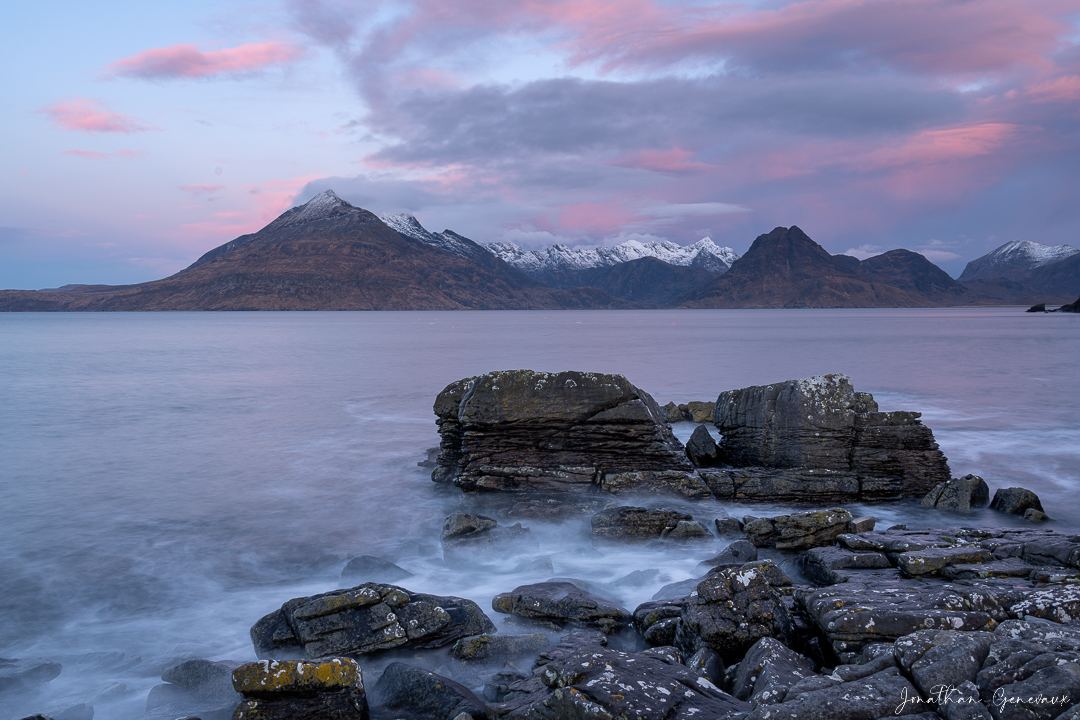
821 424
365 619
597 682
298 690
526 430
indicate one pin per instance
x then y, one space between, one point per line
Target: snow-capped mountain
447 240
703 254
1014 259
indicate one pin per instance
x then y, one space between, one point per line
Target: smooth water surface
169 478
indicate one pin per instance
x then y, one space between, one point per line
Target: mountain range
330 255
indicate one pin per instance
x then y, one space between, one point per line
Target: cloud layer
847 117
187 61
90 116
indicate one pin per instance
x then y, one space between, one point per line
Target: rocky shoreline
813 614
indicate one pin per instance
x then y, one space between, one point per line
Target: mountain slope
646 281
786 269
1061 277
326 255
1013 260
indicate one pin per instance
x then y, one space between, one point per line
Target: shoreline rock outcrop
816 438
525 430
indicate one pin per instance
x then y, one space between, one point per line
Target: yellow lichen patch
355 598
296 676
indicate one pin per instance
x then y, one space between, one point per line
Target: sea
169 478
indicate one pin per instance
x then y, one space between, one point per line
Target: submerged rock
624 523
700 412
958 495
526 430
797 531
365 619
488 646
1015 501
701 448
18 674
469 538
290 689
422 695
559 604
194 687
368 568
734 555
672 413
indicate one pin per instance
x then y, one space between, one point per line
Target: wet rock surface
597 682
194 687
518 430
626 523
560 603
407 691
768 670
468 538
797 531
368 568
729 611
701 448
958 495
365 619
18 674
1015 501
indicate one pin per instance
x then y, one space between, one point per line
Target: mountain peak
1015 258
324 206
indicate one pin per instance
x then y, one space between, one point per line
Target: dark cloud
888 124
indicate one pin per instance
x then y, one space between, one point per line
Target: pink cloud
931 36
187 61
1061 89
935 146
90 116
276 196
600 217
202 189
668 161
95 155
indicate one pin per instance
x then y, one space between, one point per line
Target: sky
136 136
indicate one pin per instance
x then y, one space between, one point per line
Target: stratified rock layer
526 430
366 619
829 441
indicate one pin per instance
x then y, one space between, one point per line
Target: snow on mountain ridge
1014 258
323 206
704 254
1035 253
452 243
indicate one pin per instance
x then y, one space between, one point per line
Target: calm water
169 478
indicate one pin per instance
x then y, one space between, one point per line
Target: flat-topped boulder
365 619
283 689
822 424
527 430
